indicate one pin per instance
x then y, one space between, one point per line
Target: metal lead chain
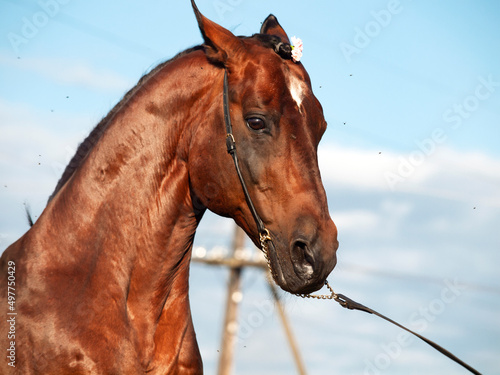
264 237
332 294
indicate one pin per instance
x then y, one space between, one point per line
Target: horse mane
86 146
270 41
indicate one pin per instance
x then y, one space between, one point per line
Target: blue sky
410 162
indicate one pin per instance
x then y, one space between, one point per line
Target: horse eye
256 123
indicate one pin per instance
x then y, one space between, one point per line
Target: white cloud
446 173
440 221
354 168
69 72
357 219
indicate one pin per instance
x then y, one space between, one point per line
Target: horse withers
101 278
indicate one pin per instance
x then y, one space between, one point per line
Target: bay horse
100 281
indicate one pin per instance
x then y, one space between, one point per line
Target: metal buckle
264 236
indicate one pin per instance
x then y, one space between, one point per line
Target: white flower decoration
297 48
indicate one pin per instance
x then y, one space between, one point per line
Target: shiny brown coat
102 276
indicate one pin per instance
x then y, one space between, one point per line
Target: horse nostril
303 256
308 256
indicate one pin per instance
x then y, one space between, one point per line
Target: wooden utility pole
234 296
288 330
236 263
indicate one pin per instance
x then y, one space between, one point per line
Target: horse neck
127 212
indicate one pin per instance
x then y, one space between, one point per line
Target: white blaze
297 89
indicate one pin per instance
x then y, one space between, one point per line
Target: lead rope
265 238
350 304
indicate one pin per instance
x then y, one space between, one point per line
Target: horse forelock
275 43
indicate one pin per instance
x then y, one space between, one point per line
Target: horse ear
271 26
218 40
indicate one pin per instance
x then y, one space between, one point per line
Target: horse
101 278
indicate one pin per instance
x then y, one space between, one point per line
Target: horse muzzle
303 266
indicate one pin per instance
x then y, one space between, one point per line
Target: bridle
265 238
264 234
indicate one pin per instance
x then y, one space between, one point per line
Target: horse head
277 125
